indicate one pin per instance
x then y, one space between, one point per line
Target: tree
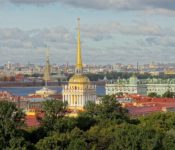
169 140
153 95
119 94
77 144
100 137
131 137
85 121
53 142
9 112
159 121
110 109
19 143
107 109
66 124
11 122
53 111
168 94
77 140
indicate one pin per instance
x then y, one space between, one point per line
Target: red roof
149 104
31 121
143 110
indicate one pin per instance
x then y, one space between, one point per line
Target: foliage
65 124
159 121
128 137
168 94
107 109
53 142
119 94
153 95
101 126
54 110
11 122
9 112
169 140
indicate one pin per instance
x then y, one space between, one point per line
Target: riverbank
41 84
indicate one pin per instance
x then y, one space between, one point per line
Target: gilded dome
79 79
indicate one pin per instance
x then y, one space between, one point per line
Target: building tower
45 91
47 68
79 89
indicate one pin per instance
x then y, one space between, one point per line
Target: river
23 91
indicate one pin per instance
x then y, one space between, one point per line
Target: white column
72 102
80 100
71 99
68 100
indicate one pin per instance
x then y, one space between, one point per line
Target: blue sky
112 31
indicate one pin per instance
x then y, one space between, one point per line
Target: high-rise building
79 89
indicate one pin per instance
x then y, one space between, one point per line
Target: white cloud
99 43
156 6
106 31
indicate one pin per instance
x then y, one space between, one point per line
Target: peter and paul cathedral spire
79 65
47 68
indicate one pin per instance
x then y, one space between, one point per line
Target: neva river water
23 91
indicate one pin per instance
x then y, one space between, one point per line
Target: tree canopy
11 124
101 126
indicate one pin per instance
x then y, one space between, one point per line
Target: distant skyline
112 31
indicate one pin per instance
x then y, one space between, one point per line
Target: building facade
143 87
130 86
79 89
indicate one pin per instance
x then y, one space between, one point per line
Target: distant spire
47 67
47 53
137 67
79 65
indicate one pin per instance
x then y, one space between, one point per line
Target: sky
112 31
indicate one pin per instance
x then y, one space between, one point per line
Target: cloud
101 43
36 2
160 11
151 6
108 30
31 44
164 41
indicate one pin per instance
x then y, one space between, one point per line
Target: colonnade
78 99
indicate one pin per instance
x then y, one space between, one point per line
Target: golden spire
79 65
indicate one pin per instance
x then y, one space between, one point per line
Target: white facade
130 89
78 96
143 87
160 89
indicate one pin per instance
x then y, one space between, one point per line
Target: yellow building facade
79 89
